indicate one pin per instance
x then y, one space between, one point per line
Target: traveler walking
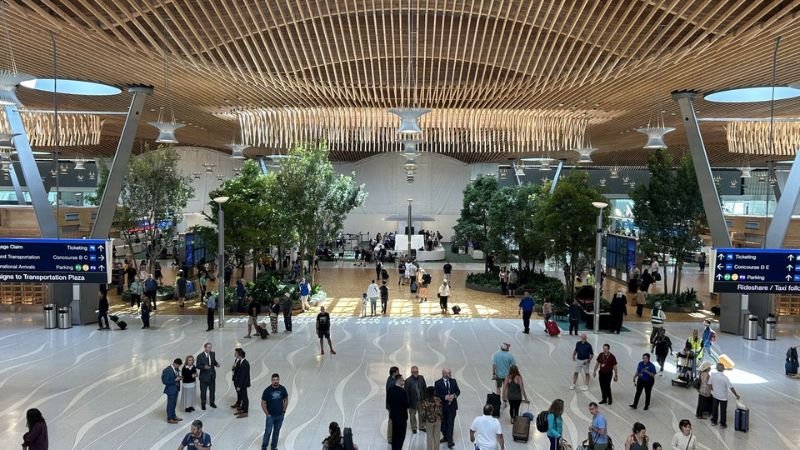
575 313
286 309
486 432
253 310
720 385
372 294
599 428
102 310
444 295
606 367
619 309
502 361
684 439
555 424
196 439
526 305
514 391
582 357
36 436
324 330
274 402
704 399
644 380
638 439
211 306
384 292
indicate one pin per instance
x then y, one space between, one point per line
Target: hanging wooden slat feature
371 129
753 138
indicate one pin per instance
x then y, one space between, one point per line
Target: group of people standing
182 376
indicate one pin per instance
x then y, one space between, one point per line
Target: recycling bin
751 327
50 318
64 317
769 327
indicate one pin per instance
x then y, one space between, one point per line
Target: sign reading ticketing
55 261
756 270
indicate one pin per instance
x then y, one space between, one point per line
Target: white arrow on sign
100 248
721 256
102 268
101 258
790 257
719 277
720 266
789 267
788 278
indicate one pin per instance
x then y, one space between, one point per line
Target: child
657 446
364 302
547 309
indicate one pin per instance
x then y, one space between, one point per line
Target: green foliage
474 223
253 221
154 191
270 285
685 300
540 286
510 219
669 211
313 198
568 219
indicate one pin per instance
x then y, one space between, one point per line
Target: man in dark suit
447 390
398 411
171 379
241 381
207 363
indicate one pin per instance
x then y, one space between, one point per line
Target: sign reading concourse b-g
55 261
756 270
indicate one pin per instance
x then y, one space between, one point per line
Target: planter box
490 290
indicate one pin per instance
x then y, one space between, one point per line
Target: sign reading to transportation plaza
756 270
55 261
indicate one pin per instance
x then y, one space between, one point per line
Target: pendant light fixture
166 122
656 130
237 150
409 117
585 150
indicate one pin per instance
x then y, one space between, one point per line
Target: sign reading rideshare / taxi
755 270
55 261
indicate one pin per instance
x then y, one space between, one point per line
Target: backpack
541 421
347 438
426 278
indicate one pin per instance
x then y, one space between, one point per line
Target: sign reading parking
755 270
55 261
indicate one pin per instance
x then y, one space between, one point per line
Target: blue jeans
172 401
272 427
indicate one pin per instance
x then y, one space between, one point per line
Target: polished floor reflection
101 389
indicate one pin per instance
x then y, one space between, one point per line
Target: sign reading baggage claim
756 270
55 261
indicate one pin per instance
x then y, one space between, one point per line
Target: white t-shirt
486 429
720 385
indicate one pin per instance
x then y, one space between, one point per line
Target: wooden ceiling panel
618 57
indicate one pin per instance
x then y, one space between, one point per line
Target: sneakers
585 387
571 387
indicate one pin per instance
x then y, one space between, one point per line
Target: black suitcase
494 400
413 286
262 331
120 323
741 420
384 274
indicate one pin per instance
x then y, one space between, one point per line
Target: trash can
50 318
751 327
769 327
64 317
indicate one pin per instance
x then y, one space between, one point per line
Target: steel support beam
85 305
779 225
516 176
730 304
12 173
119 167
33 179
263 165
557 176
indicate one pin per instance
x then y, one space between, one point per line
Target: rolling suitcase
262 331
521 429
552 328
120 323
494 400
741 420
413 286
727 362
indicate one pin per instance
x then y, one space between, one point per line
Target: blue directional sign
55 261
755 270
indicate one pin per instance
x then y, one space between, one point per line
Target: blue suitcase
741 420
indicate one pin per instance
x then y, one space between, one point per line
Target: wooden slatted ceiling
620 55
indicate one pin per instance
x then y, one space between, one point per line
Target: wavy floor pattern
101 390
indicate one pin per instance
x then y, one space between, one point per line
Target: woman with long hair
36 437
189 375
431 417
555 425
514 391
638 438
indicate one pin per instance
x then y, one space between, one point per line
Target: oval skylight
73 87
752 94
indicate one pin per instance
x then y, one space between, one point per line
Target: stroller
686 362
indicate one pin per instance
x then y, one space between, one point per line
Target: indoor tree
669 212
154 193
314 199
474 224
568 220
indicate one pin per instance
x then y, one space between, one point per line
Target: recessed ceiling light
73 87
752 94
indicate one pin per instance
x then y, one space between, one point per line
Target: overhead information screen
755 270
55 261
